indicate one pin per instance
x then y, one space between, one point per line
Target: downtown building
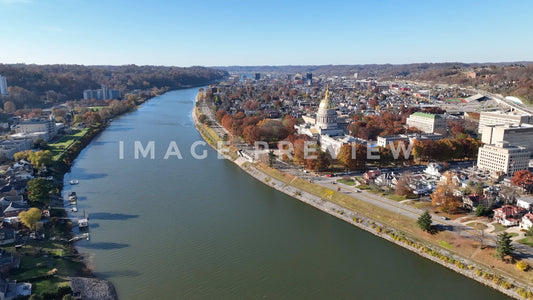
502 158
3 85
515 135
497 118
428 123
101 94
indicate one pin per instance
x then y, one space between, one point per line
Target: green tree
29 218
424 221
482 211
39 190
40 143
271 158
504 245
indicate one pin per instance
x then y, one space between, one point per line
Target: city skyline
213 33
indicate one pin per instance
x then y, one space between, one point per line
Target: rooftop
426 115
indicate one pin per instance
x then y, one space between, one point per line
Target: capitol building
325 128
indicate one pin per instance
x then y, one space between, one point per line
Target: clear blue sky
264 32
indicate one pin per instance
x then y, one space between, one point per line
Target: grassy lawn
498 227
65 141
97 108
397 197
446 244
527 241
477 225
349 182
513 234
48 286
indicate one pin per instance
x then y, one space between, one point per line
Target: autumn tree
9 107
321 162
30 217
92 117
41 158
402 187
22 155
444 196
348 160
522 178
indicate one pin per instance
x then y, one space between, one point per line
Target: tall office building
515 135
496 118
101 94
502 158
3 85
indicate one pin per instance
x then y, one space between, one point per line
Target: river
203 229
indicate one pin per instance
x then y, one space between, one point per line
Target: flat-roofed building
383 141
514 135
48 126
428 123
498 118
502 158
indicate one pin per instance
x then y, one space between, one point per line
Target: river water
203 229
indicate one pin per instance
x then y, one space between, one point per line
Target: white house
525 202
527 221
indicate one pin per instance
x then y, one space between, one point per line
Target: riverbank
371 219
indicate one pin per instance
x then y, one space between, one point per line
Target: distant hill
507 78
39 85
369 70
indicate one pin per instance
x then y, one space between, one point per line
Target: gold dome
326 104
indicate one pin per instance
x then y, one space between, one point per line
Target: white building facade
428 123
503 158
497 118
3 85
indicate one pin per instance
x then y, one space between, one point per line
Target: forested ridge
41 85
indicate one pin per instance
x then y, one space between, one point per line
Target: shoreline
460 265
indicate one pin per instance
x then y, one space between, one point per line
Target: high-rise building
101 94
497 118
257 76
3 85
515 135
502 158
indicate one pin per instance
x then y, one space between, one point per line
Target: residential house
10 289
509 215
371 174
527 221
8 261
14 209
7 236
525 202
472 201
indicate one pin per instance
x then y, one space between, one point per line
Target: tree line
39 85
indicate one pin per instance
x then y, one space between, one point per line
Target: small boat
72 196
74 181
74 209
